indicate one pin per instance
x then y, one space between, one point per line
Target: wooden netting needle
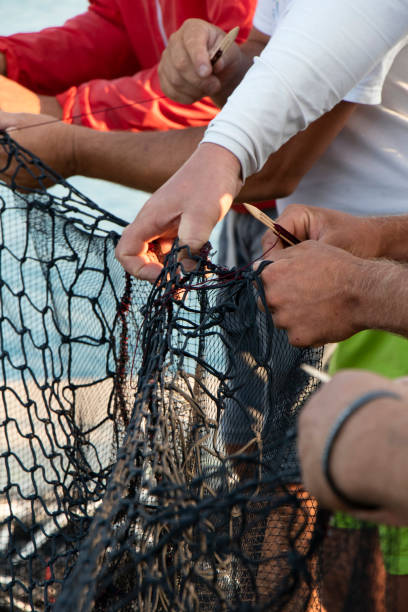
224 45
277 229
312 371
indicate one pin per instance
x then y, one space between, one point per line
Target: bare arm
320 293
146 160
284 169
369 457
292 162
142 160
18 99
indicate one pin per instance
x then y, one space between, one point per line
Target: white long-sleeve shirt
319 51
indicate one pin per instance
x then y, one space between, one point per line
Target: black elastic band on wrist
334 434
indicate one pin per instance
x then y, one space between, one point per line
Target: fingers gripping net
147 434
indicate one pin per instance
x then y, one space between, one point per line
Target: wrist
360 287
380 290
74 157
221 158
357 450
391 235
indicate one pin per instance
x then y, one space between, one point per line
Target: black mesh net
148 434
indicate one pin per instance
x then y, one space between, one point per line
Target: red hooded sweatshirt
105 59
102 65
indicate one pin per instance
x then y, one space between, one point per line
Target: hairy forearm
146 160
49 105
391 236
369 457
143 161
382 288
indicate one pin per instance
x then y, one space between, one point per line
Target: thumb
194 231
203 41
197 223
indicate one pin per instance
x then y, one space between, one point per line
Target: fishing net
148 433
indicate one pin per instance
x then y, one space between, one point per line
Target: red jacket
102 65
107 58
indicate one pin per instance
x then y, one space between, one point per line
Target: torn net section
147 434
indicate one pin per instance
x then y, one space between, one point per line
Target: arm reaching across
143 161
146 160
43 135
369 456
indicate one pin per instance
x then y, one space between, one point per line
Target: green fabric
385 354
373 350
393 541
394 547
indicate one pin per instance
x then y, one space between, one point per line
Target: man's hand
316 292
185 70
3 64
14 98
357 235
361 464
53 143
188 205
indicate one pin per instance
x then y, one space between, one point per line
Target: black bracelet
334 434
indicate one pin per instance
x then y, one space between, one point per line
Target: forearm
283 92
381 291
144 160
284 169
366 459
391 233
369 458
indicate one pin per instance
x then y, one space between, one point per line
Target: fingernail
203 70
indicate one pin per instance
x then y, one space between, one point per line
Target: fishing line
79 115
